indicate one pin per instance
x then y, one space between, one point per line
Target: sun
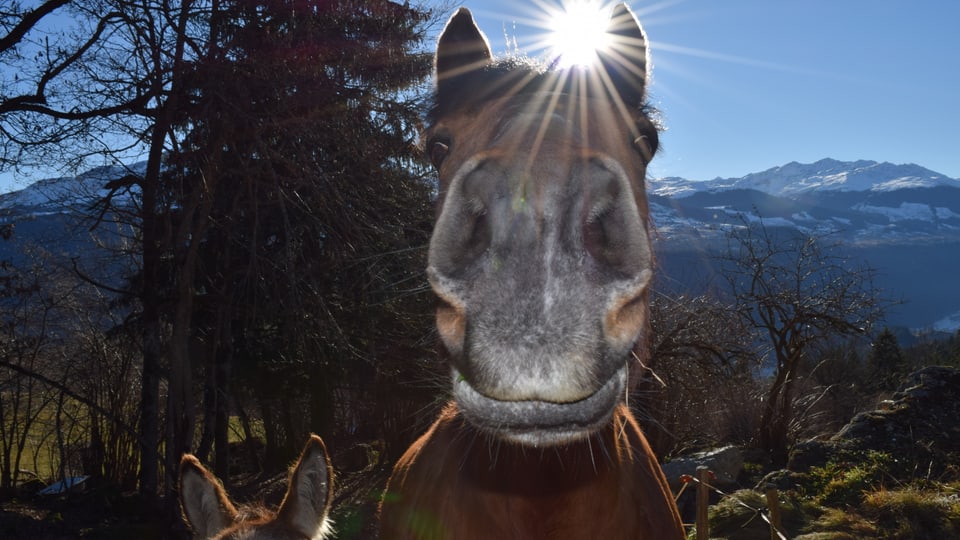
578 31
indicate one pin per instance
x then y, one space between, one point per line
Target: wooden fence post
703 501
773 504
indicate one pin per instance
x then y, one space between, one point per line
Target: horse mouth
539 423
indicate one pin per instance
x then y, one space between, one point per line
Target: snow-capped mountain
57 195
49 227
864 202
794 179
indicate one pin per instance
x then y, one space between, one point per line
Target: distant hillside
903 220
52 224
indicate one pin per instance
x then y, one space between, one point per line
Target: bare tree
793 291
108 84
51 109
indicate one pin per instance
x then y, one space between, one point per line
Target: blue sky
745 85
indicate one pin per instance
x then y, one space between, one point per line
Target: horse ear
626 60
204 502
310 491
462 47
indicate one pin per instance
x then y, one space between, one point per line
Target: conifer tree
300 172
886 361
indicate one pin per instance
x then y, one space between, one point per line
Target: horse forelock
248 517
518 76
254 514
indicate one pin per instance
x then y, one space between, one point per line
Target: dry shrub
700 409
704 393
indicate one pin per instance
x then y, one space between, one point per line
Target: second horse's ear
310 491
462 47
626 62
205 504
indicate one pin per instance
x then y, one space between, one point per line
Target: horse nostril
463 233
606 228
596 240
478 240
472 208
464 242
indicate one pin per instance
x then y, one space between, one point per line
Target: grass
737 516
853 504
845 480
840 524
914 513
862 494
235 430
909 513
40 458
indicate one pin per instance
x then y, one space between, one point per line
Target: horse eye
644 146
438 151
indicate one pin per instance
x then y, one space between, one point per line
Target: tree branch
37 102
29 21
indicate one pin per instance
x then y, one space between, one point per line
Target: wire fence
770 514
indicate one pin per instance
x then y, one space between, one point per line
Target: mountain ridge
796 178
903 220
791 180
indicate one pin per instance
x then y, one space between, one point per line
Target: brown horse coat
454 483
541 261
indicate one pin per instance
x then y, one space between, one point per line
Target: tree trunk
224 360
150 408
209 411
6 480
321 401
248 438
93 463
777 413
150 299
770 419
268 411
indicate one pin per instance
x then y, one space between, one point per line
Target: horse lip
539 423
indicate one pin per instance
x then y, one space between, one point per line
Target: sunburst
578 31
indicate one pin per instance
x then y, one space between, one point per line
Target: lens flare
578 31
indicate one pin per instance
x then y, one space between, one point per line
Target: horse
541 263
302 514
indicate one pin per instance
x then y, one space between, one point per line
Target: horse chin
539 423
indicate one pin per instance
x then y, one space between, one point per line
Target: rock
725 464
918 427
807 454
782 479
